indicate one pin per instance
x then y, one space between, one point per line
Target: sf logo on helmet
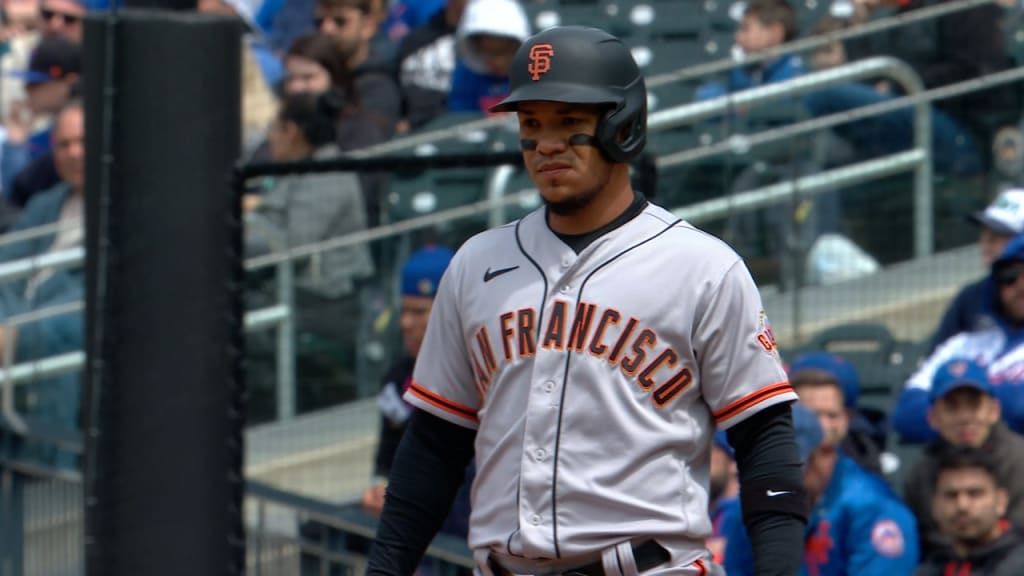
540 60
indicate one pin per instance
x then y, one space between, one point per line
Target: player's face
968 505
413 321
964 416
569 177
827 402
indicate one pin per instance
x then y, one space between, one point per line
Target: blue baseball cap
422 272
808 431
959 373
722 441
835 366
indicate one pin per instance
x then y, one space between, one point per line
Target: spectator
998 223
308 208
969 504
766 24
857 526
420 276
724 498
62 18
998 348
314 64
352 25
829 386
487 38
426 61
942 51
405 16
964 412
56 399
261 71
832 54
50 82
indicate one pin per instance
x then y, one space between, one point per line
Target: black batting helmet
580 65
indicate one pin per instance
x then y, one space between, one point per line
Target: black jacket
1004 557
1007 449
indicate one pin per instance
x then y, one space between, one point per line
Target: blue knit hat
835 366
422 272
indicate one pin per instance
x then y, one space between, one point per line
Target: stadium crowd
325 77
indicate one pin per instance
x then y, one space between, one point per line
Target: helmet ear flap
622 131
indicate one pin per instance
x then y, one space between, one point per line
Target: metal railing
800 45
882 66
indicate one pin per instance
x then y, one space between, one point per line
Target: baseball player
585 355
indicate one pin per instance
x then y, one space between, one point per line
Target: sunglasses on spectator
338 21
48 15
1008 276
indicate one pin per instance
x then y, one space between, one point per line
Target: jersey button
549 386
566 289
539 454
535 519
566 262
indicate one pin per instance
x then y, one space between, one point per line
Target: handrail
56 365
880 66
722 64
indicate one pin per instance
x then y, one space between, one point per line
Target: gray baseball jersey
595 380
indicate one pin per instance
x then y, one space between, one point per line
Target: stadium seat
666 18
723 15
661 55
883 362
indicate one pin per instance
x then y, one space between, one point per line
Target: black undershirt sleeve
425 476
771 490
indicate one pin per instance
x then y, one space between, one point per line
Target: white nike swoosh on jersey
772 493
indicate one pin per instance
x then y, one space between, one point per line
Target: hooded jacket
999 348
1007 450
1003 557
473 87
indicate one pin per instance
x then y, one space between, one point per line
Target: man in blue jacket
857 525
999 348
999 222
56 399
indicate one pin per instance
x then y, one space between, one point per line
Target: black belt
646 556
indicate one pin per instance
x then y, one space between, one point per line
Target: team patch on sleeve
887 538
765 336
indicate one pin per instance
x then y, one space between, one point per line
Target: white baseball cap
1005 215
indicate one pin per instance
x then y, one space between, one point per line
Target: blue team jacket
1000 348
859 527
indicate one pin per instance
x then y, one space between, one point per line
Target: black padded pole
163 405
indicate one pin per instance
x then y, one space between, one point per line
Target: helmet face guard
578 65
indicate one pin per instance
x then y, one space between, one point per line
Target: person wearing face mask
314 64
307 208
